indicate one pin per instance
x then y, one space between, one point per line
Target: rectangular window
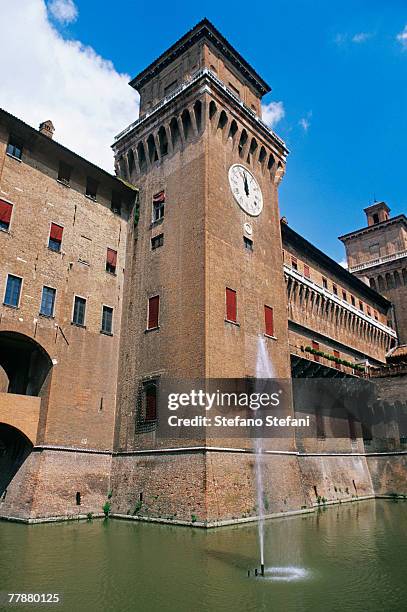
64 173
315 346
294 263
360 305
157 241
13 291
158 206
107 320
91 188
79 309
111 261
268 319
231 305
344 296
55 237
369 312
48 301
335 289
5 215
307 273
337 355
116 204
375 316
352 299
150 401
324 282
153 312
248 244
14 148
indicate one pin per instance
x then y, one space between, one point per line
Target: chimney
47 128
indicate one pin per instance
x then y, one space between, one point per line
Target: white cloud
402 38
272 113
305 122
340 39
63 11
49 77
361 37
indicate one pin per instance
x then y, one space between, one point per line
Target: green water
354 556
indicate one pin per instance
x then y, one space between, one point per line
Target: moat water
345 558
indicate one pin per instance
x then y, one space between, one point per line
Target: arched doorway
14 450
24 364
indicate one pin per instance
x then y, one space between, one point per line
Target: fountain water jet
264 370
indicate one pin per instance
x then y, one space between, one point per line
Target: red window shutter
56 232
111 257
153 310
159 197
306 271
5 211
231 305
268 318
315 346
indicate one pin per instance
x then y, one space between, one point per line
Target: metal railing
378 261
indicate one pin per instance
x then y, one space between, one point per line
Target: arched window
163 140
186 123
372 283
141 154
223 119
152 151
233 130
175 134
198 114
130 161
212 109
252 150
242 142
262 155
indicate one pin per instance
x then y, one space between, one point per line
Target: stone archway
14 450
25 364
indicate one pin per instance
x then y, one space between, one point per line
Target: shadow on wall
24 365
14 450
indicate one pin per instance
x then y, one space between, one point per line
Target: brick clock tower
204 275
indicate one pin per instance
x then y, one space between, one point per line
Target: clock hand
246 184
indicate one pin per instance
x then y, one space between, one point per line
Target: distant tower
377 254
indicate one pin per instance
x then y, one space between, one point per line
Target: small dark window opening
294 263
316 491
248 244
107 320
91 188
78 498
242 142
352 299
130 162
175 133
335 289
212 109
270 163
324 283
344 296
152 150
157 241
223 119
142 161
141 496
162 137
15 148
376 218
150 401
263 155
64 173
198 114
252 150
78 317
116 203
233 130
186 123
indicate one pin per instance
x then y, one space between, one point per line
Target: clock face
246 190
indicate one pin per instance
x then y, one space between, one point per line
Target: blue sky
338 68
